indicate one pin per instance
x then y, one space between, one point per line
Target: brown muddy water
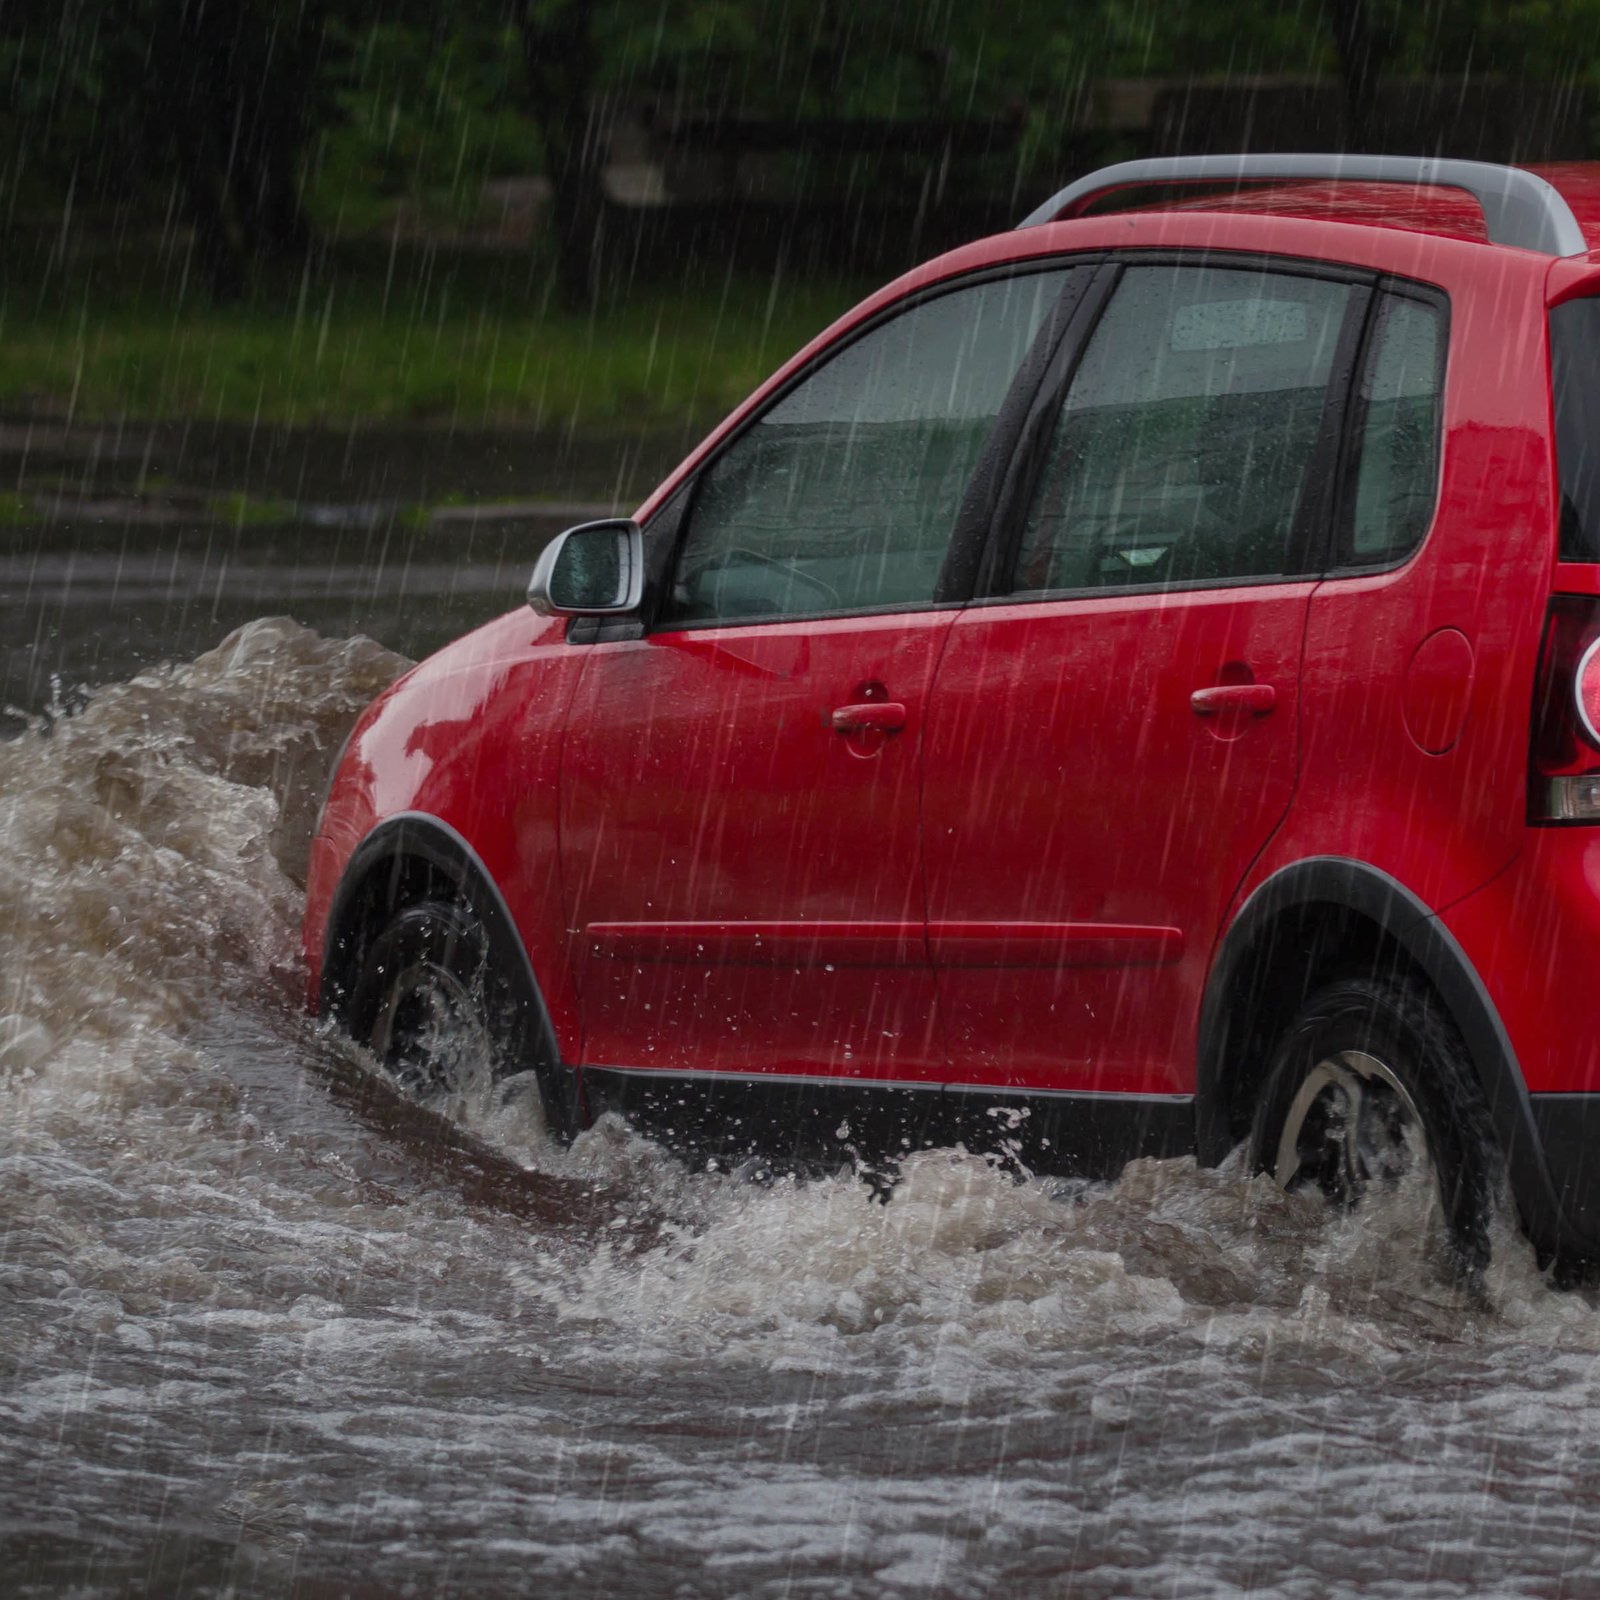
267 1330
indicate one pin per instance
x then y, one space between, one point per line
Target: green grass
251 511
468 340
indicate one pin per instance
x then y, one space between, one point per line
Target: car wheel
1369 1080
433 1007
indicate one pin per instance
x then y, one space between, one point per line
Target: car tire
437 1010
1368 1066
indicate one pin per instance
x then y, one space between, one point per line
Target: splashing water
266 1325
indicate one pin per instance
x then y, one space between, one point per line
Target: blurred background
337 306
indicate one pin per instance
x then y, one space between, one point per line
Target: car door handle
1257 698
883 716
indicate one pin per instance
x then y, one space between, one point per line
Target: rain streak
318 323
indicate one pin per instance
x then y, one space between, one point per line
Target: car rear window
1575 381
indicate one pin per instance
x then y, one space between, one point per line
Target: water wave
263 1319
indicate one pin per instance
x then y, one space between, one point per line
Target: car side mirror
593 570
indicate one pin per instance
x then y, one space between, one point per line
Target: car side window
1397 473
842 497
1575 393
1183 443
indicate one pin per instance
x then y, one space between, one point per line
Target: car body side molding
1356 886
887 944
761 944
808 1120
1053 945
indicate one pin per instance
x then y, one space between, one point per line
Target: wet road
89 603
124 547
266 1330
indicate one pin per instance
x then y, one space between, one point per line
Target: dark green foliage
261 123
121 98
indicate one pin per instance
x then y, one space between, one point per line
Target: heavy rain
319 322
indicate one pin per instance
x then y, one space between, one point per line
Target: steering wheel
739 555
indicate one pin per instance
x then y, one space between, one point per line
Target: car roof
1425 208
1325 196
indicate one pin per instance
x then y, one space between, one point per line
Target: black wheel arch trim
422 836
1358 887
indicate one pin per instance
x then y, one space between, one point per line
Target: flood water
267 1330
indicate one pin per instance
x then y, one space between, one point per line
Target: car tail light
1564 766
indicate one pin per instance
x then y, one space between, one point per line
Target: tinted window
1184 441
1575 374
1398 473
843 496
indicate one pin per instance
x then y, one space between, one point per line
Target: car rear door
1112 733
740 832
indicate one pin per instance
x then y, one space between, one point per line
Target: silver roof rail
1519 207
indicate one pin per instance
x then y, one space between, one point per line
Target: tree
1362 47
561 62
229 95
800 64
219 99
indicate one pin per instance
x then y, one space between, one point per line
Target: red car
1130 687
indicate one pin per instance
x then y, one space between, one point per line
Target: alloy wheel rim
1351 1124
429 1032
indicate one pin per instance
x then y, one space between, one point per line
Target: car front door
740 833
1112 733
